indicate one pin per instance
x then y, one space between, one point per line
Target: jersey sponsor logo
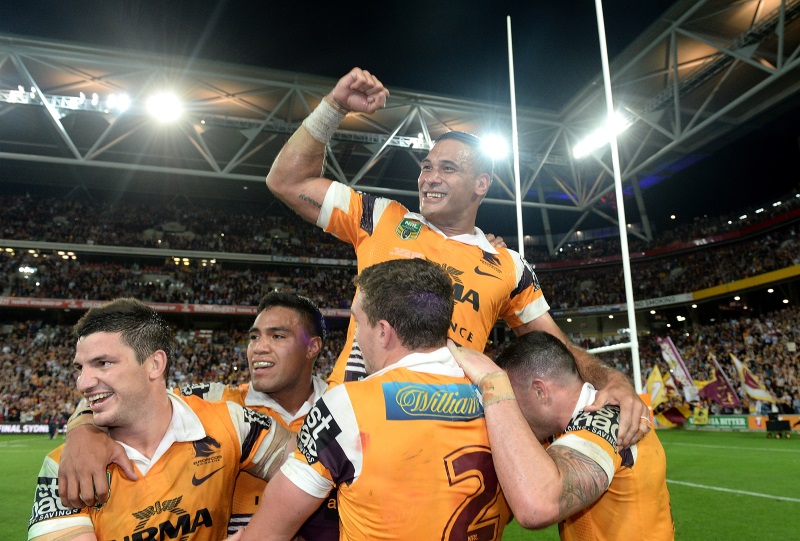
47 503
319 429
469 296
197 481
460 293
460 334
603 422
173 527
452 272
414 401
408 229
261 420
167 506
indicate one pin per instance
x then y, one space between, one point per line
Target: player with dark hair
489 283
583 479
406 446
188 451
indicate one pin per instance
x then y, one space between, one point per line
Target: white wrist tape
323 122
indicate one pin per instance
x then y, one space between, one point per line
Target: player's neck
293 399
149 430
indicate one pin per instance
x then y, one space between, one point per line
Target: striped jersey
408 450
488 284
185 490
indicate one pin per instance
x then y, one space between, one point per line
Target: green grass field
723 485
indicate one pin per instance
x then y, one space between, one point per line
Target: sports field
723 485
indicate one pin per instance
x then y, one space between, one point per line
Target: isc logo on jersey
603 422
318 430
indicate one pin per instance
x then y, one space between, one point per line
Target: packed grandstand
60 255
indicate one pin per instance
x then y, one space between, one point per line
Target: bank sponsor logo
319 429
414 401
603 422
47 503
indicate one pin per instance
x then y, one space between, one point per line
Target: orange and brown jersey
488 284
636 504
186 488
407 449
249 488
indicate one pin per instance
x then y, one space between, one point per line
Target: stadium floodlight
495 146
601 136
165 107
119 102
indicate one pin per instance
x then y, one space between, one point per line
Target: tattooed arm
583 480
542 487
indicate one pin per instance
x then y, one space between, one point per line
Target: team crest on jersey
603 422
408 229
490 259
206 451
205 447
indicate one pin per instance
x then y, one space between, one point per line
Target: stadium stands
127 248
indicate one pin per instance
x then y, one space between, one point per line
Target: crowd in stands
698 227
83 222
676 273
767 345
241 229
57 278
37 377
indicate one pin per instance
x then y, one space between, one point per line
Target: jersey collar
477 239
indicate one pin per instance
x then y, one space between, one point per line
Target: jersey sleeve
349 215
595 435
48 515
526 301
262 440
328 445
211 392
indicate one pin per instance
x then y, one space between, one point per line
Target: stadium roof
699 77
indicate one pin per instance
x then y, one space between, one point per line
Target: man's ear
387 333
158 364
482 184
314 347
540 391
